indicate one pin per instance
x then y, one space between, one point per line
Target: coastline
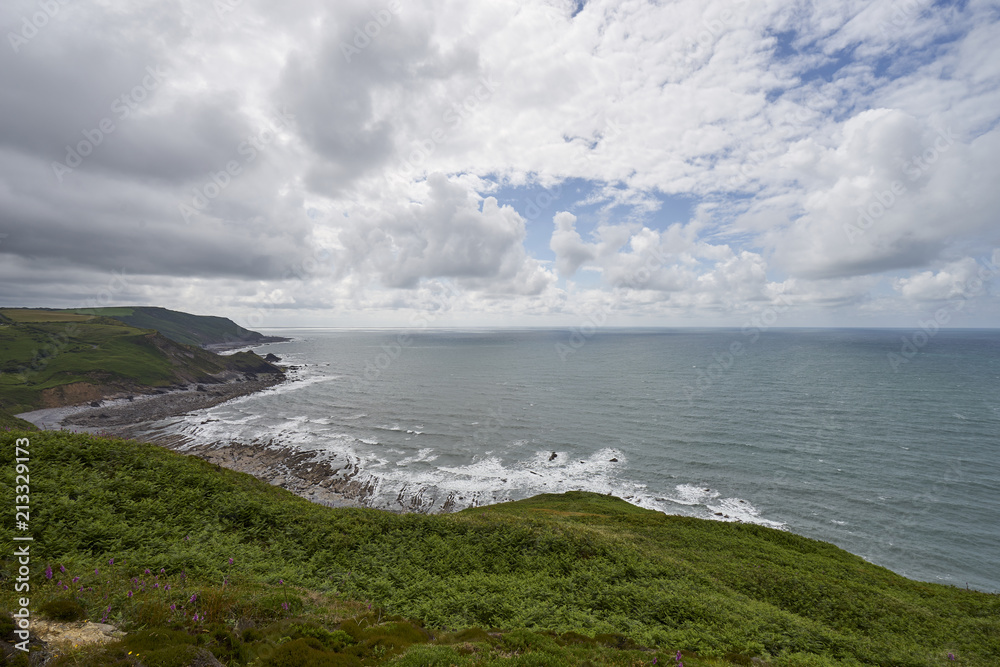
135 417
243 344
120 415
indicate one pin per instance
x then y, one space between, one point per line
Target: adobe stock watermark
707 377
759 157
31 25
881 202
915 342
804 452
364 34
903 13
492 428
379 363
610 131
121 108
248 150
710 31
306 269
453 118
223 7
597 319
893 538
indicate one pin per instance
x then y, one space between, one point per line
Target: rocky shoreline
321 478
121 415
243 344
125 416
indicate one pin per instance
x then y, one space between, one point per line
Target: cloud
961 278
893 193
570 250
840 153
446 234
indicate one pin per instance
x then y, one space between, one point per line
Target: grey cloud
105 224
339 92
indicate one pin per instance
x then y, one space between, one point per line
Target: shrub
64 609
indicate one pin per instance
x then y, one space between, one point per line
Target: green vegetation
37 315
179 327
50 358
11 423
567 579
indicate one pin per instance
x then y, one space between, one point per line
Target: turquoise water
822 433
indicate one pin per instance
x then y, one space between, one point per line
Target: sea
883 442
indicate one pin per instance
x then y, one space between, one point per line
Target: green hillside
9 422
50 358
569 579
180 327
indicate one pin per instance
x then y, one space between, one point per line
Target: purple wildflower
951 656
62 569
147 571
130 593
65 587
111 561
230 561
173 607
48 571
194 596
76 579
162 571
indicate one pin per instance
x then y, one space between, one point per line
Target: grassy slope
9 422
180 327
44 349
576 564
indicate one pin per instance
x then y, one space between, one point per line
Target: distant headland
56 358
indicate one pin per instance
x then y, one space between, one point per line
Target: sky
414 163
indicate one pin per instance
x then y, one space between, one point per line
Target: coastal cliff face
56 358
72 394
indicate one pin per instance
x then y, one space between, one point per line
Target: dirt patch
71 394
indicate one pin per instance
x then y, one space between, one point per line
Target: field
32 315
259 576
